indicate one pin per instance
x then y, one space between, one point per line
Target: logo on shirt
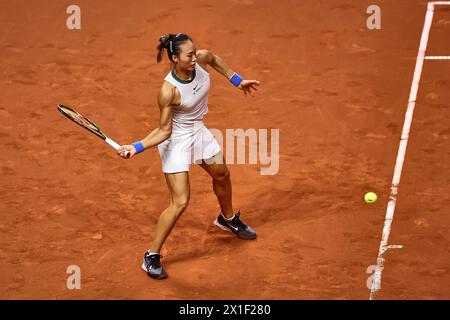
196 88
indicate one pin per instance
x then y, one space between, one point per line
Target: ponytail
171 42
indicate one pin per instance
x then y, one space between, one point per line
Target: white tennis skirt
189 143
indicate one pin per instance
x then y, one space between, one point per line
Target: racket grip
112 143
116 146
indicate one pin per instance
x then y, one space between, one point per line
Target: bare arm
209 58
164 130
206 57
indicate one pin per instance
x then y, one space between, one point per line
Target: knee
180 204
222 175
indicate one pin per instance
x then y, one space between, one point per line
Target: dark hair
172 43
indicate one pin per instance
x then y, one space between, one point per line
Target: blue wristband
236 79
138 146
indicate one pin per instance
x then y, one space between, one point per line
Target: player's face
187 57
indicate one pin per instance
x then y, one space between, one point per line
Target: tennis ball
370 197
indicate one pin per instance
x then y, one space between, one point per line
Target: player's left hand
248 85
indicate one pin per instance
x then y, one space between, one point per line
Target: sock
228 219
151 253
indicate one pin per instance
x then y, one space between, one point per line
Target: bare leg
221 181
179 188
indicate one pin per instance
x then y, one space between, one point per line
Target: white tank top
194 96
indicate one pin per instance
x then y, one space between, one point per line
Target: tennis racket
81 120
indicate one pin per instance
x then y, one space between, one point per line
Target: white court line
435 3
437 58
376 283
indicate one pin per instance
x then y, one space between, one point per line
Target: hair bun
165 38
170 41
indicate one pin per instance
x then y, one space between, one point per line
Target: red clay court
338 93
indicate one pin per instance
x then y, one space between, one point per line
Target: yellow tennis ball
370 197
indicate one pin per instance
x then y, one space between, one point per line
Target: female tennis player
182 139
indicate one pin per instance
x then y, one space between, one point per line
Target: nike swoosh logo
234 228
148 267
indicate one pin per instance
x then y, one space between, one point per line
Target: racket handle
116 146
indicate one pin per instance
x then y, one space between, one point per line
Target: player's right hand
125 150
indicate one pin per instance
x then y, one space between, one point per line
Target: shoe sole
153 276
229 230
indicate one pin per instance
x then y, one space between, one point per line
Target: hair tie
170 43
